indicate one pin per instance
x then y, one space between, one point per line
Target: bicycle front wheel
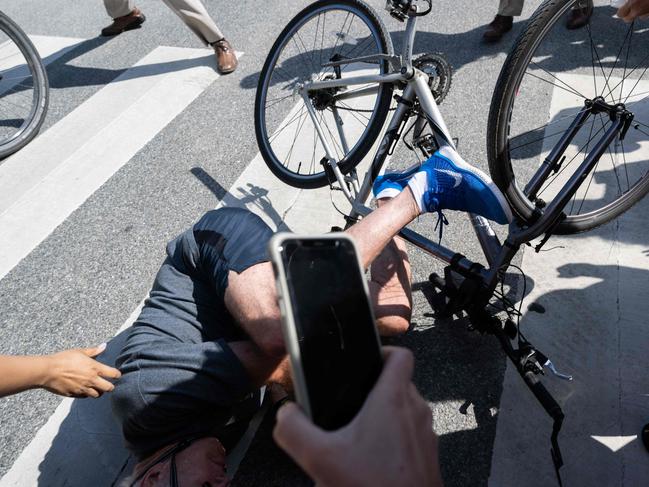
348 119
544 83
24 89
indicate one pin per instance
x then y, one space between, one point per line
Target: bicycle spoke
333 49
630 73
295 117
545 126
574 92
301 53
275 101
333 139
544 137
599 61
343 35
570 88
354 112
297 134
367 43
610 73
626 61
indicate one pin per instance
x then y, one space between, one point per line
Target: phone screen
339 348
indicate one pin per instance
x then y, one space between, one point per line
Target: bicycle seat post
411 29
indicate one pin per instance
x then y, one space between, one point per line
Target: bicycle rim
555 72
287 135
23 88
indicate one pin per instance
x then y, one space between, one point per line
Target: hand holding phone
328 325
389 442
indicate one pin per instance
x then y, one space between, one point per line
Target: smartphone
328 325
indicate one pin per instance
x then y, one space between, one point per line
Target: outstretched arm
70 373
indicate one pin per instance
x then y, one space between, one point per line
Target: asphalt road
79 285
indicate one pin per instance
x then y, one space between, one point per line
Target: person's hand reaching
75 373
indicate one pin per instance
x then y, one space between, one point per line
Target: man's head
197 463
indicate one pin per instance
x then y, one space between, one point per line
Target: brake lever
555 372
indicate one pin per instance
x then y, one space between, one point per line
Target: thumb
94 351
298 436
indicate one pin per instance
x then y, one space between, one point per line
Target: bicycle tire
34 120
500 164
379 113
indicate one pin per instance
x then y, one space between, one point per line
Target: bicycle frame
482 281
416 88
498 255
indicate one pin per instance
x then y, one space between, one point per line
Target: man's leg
195 16
119 8
125 15
390 286
510 8
502 23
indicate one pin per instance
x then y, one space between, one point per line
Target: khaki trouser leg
193 13
510 8
118 8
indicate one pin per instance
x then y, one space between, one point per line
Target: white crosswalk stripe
64 166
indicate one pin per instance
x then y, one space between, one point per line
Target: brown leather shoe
127 22
226 60
500 25
579 17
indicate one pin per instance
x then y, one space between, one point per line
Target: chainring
439 71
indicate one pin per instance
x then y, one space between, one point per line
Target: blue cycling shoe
446 182
389 185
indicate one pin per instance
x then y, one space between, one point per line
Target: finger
298 436
108 372
102 385
94 351
624 10
90 392
397 368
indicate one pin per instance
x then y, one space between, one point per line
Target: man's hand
633 9
74 373
390 442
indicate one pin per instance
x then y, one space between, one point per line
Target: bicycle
348 84
24 88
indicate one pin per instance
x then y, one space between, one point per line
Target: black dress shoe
579 17
498 27
127 22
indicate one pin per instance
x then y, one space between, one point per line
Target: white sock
418 184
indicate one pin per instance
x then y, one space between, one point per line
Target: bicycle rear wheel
24 88
543 85
350 117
